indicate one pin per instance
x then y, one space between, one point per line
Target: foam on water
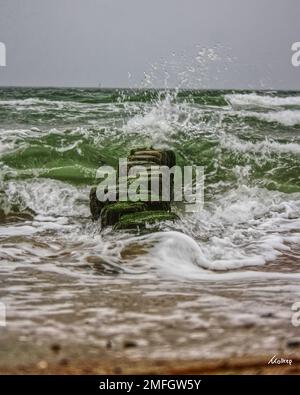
159 121
284 110
46 197
264 147
178 256
231 269
242 224
243 228
259 100
285 117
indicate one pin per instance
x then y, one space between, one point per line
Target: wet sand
127 328
116 364
91 320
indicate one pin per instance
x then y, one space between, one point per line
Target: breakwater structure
149 208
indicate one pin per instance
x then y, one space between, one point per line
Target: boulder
139 220
149 208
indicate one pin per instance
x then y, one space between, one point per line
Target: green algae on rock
140 220
112 213
149 206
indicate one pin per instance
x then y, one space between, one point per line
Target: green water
52 141
185 289
66 134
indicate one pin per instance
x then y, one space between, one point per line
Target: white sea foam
178 256
23 102
278 106
255 100
243 228
158 121
45 104
45 196
34 101
233 143
285 117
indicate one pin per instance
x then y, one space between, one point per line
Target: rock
150 207
42 365
64 362
109 345
293 343
95 205
144 159
55 347
248 325
267 315
129 344
162 157
139 220
112 213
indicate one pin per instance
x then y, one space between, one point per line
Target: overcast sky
187 43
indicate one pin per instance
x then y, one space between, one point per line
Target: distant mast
99 85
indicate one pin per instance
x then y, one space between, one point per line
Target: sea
221 282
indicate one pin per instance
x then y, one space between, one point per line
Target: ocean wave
27 102
44 196
177 255
42 105
285 117
242 228
255 100
267 146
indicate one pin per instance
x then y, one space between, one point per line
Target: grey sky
84 42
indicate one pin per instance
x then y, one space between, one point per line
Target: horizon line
143 88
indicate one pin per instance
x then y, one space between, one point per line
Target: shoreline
119 366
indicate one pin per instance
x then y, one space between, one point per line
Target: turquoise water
53 140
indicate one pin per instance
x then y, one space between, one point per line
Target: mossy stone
112 213
95 205
149 208
169 158
163 157
139 220
145 158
